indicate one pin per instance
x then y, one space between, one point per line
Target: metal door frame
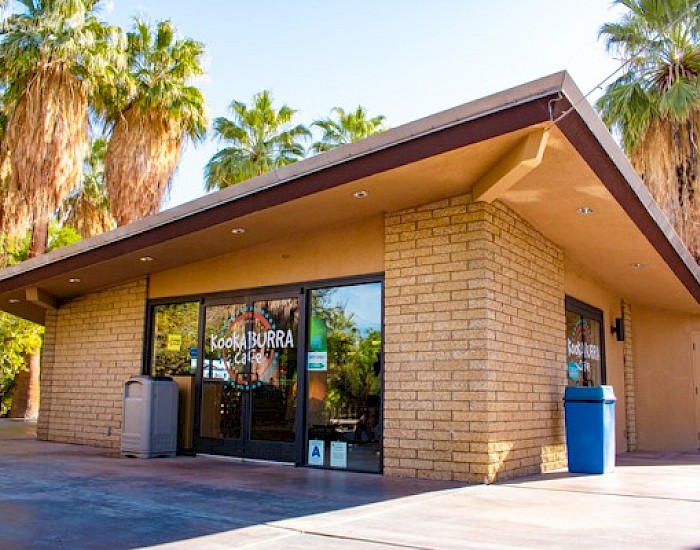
246 446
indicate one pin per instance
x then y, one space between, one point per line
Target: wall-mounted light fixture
618 329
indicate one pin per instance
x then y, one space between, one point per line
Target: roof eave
622 181
335 160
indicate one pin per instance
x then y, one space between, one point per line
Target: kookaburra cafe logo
249 346
581 352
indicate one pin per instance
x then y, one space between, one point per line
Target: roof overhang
503 147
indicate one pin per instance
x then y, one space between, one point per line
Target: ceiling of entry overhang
606 243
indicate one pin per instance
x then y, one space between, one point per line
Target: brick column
474 345
628 355
527 348
48 357
436 410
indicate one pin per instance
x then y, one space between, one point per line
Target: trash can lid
594 394
141 378
145 379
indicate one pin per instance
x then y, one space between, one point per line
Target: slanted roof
503 147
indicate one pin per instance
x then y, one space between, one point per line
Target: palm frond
346 127
142 154
260 138
86 209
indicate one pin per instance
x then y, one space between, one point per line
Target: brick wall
92 345
474 354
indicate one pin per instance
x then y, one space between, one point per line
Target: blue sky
401 58
363 302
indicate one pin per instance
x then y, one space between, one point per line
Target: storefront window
585 355
174 343
344 392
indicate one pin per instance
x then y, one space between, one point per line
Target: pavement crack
604 493
363 540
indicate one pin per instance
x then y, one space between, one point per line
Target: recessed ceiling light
238 230
73 280
146 258
638 265
13 301
585 210
361 194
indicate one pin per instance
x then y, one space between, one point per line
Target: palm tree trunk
25 400
33 389
27 394
40 233
25 403
19 395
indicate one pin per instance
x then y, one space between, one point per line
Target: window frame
149 332
332 283
304 290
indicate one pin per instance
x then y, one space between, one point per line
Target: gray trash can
590 429
149 424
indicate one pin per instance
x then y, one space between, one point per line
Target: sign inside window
248 346
583 350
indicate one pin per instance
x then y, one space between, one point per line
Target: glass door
248 377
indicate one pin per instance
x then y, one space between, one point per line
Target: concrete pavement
68 496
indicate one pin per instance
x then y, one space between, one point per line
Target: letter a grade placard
315 452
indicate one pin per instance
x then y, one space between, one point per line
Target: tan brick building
413 304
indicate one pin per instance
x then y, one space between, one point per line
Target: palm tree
654 106
342 127
87 208
261 138
53 55
152 118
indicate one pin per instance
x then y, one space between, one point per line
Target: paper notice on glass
317 360
174 342
339 454
316 452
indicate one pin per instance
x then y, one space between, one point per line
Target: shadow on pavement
69 496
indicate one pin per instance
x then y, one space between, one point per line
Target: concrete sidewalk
67 496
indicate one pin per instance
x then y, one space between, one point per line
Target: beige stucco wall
92 345
666 417
474 348
340 251
580 284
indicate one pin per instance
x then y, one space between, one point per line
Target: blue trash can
590 429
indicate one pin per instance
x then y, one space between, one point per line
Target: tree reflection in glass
344 390
175 336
